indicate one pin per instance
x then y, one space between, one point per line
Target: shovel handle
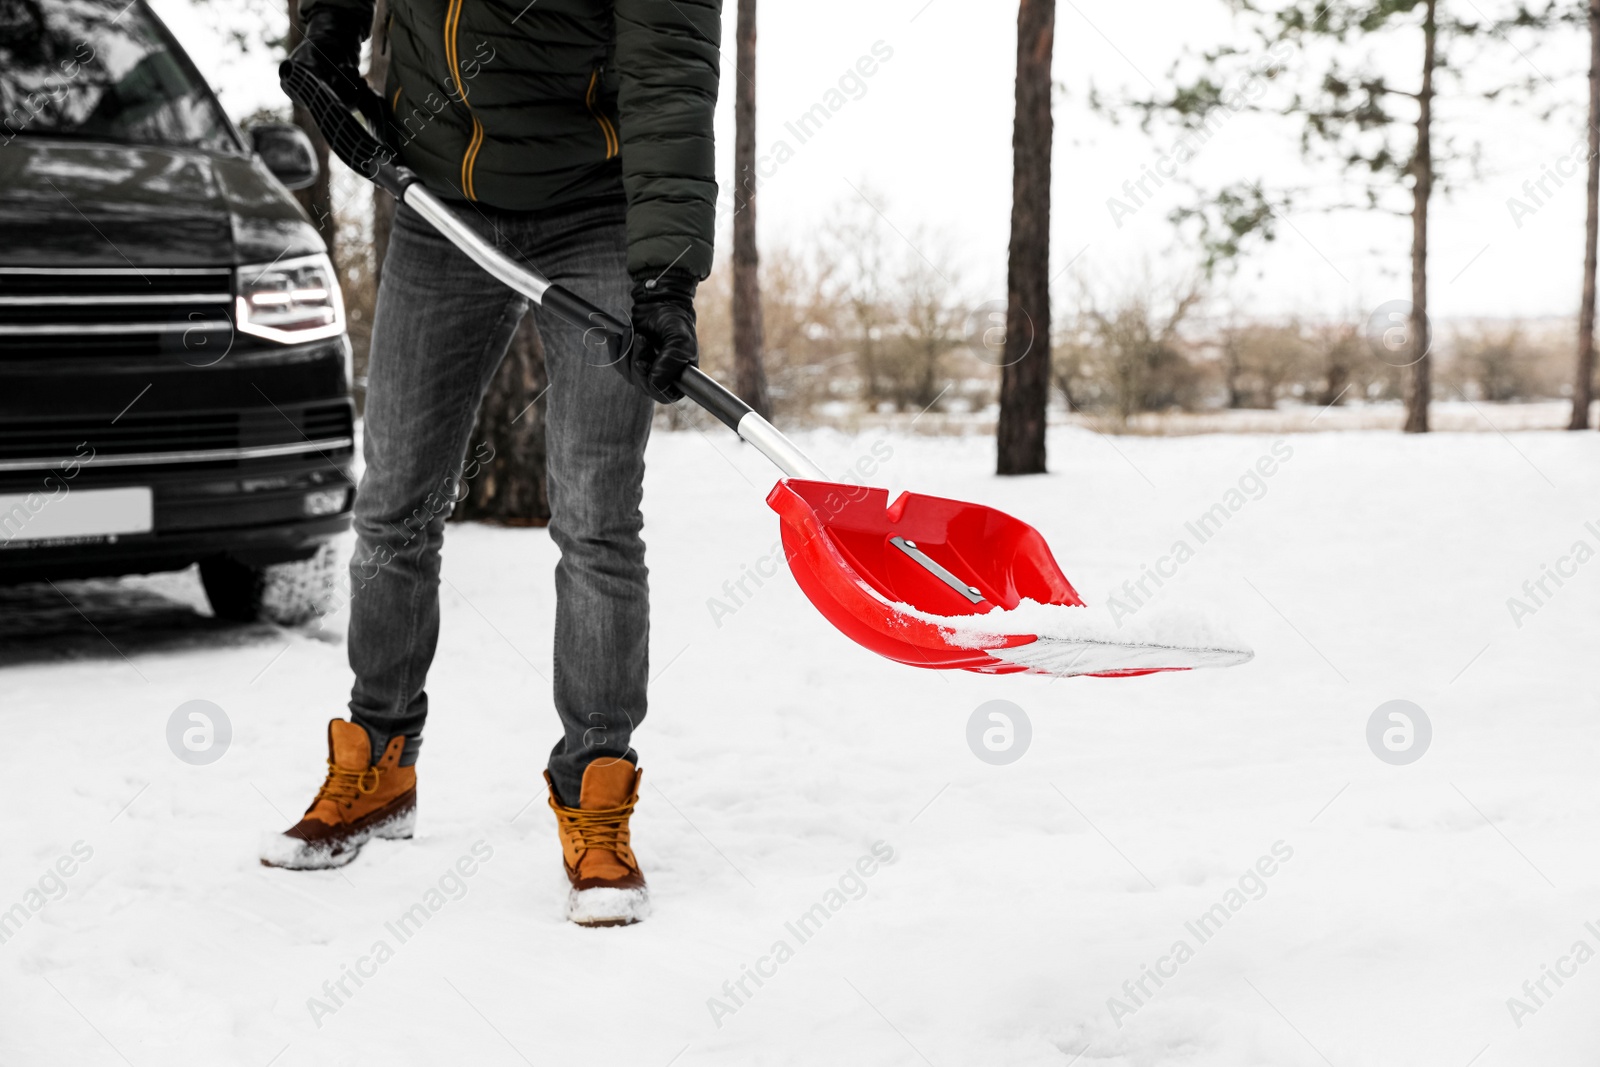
374 160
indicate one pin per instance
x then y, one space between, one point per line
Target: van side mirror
287 153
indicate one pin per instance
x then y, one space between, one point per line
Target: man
577 135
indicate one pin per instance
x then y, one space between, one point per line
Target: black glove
332 51
664 343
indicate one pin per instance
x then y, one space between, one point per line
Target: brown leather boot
362 798
607 886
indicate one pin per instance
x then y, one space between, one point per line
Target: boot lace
345 784
601 828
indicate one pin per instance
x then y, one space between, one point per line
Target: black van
174 370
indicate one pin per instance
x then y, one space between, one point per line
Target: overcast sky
928 137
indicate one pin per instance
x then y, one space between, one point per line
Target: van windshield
100 70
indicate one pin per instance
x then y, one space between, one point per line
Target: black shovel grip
695 383
352 142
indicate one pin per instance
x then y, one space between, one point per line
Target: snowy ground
1405 904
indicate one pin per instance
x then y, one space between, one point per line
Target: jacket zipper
470 157
608 131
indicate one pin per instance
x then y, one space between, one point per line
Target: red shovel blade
840 541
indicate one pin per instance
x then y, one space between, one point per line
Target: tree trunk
749 373
1335 380
1232 372
1025 380
382 202
1419 375
1583 384
504 468
316 198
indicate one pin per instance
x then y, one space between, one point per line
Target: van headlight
290 301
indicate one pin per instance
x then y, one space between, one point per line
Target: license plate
67 514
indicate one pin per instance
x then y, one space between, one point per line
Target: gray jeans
442 326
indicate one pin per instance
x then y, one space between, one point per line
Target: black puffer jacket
526 105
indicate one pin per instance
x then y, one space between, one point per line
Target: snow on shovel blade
941 583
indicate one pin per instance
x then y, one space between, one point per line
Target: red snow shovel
882 573
863 561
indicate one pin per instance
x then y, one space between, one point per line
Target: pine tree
1352 114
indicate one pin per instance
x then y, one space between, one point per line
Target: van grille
46 312
324 427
